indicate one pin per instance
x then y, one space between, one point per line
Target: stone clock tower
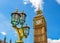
40 33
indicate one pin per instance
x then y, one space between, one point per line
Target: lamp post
23 31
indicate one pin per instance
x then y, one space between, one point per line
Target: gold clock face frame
38 22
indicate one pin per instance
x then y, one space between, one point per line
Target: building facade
40 32
4 41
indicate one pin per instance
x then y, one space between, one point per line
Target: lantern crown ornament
23 13
27 26
16 10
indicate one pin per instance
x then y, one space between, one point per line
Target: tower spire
5 39
10 41
39 6
39 11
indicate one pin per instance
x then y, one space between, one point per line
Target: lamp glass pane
15 19
26 31
22 18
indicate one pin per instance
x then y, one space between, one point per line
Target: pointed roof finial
5 38
26 24
39 11
39 6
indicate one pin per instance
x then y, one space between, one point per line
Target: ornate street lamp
22 18
23 31
26 30
15 18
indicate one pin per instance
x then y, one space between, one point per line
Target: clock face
38 22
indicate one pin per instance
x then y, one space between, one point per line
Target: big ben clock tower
40 33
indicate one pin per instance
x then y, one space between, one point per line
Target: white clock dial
38 21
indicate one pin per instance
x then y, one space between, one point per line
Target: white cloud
35 3
53 41
3 33
58 1
26 1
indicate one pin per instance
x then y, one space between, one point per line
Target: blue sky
51 12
